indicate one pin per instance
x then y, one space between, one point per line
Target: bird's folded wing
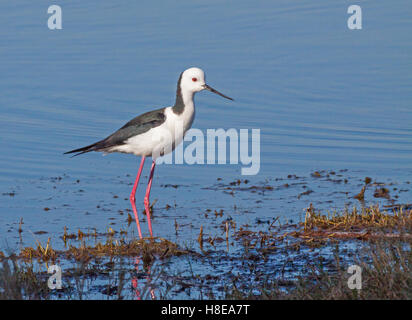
134 127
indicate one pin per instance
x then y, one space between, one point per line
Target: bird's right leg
133 198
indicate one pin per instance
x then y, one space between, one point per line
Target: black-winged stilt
155 132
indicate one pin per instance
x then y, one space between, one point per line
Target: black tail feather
86 149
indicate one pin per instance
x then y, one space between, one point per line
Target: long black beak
217 92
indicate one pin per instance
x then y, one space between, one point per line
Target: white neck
188 97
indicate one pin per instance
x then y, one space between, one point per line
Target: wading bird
155 133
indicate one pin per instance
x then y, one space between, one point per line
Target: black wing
134 127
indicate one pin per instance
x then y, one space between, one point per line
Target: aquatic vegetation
386 274
265 258
241 254
364 223
40 252
149 248
19 281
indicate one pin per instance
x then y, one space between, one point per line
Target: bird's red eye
194 79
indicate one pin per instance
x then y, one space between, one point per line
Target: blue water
323 96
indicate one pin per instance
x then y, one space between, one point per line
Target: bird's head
193 80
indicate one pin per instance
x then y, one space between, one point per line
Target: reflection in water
141 291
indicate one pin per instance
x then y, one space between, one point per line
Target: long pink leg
133 198
146 198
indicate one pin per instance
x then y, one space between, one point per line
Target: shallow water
323 96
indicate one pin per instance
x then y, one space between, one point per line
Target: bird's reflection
140 289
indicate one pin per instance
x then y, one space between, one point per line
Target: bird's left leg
146 198
133 198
